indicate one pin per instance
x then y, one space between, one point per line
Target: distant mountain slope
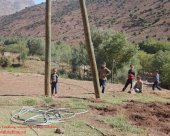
11 6
140 19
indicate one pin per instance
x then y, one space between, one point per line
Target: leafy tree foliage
61 52
109 45
5 61
145 60
78 57
165 76
35 46
152 46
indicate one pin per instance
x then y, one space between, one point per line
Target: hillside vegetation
139 19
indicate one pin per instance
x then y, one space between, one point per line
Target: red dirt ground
33 84
155 117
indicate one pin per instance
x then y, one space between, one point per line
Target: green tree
36 47
152 46
165 76
61 53
10 41
145 61
161 61
109 45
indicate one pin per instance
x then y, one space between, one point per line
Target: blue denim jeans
102 84
53 88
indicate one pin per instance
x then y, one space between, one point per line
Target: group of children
135 86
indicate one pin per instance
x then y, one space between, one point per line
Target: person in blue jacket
156 81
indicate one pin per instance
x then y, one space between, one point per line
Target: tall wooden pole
48 49
90 49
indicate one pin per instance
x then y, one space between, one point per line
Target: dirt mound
154 117
106 110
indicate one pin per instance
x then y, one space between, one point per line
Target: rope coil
42 116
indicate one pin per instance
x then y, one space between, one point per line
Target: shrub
165 76
74 75
109 46
5 62
152 46
35 46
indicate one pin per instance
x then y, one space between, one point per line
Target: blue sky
39 1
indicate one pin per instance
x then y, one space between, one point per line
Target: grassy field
111 116
88 124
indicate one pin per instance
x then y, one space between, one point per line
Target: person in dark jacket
54 81
156 81
131 78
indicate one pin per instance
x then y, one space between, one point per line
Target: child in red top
131 77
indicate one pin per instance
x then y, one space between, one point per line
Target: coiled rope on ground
42 116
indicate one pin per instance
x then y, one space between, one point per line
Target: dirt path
33 84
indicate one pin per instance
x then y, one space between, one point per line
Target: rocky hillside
11 6
140 19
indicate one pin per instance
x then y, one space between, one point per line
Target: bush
74 75
35 46
152 46
5 62
165 76
161 62
145 61
109 45
10 41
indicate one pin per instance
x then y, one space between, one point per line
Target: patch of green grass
14 70
147 98
47 100
120 98
5 114
78 128
76 103
24 101
121 122
99 105
29 102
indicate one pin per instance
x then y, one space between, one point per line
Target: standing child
54 81
156 81
103 72
131 77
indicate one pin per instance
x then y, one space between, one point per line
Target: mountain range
11 6
139 19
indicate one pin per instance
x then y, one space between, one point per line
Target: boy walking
156 81
131 77
103 72
54 81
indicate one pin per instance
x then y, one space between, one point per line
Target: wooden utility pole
90 49
48 49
